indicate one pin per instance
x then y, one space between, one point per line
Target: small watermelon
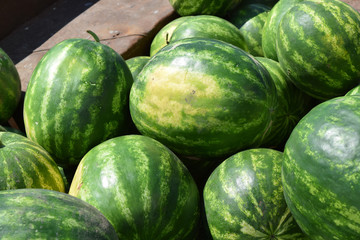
244 198
25 164
162 38
10 86
203 7
141 187
47 214
136 64
321 170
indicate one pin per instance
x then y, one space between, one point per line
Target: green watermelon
270 28
269 3
10 86
203 98
293 104
25 164
162 38
252 32
47 214
321 170
318 46
354 91
77 97
244 198
141 187
244 12
203 7
136 64
206 26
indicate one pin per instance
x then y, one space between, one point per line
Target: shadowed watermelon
244 12
203 98
77 97
244 198
293 104
141 187
318 47
10 86
46 214
321 170
136 64
203 7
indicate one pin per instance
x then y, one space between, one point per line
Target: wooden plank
128 26
14 13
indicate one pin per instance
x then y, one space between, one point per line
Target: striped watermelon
321 170
203 7
271 27
318 46
77 97
252 32
203 98
46 214
162 38
244 198
25 164
141 187
10 86
269 3
206 26
136 64
293 104
244 12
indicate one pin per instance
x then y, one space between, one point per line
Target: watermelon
141 187
331 29
293 104
244 12
77 97
25 164
206 26
354 91
203 7
252 32
269 3
244 198
203 98
10 86
162 38
136 64
321 170
270 28
47 214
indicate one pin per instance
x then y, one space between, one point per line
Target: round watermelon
252 31
244 198
203 7
10 86
25 164
136 64
206 26
270 28
244 12
318 47
77 97
203 98
47 214
162 38
321 170
293 104
141 187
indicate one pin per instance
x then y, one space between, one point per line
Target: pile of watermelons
242 123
